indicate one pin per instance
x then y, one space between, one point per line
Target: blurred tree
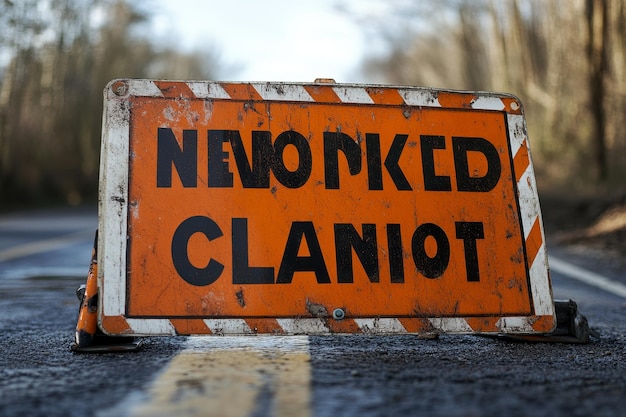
597 53
572 81
54 62
19 31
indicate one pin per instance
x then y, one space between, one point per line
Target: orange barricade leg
88 337
87 315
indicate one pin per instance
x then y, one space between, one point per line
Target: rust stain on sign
372 200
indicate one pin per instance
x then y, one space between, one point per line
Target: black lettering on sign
469 232
430 267
180 256
257 175
464 181
396 259
391 163
297 178
374 159
348 241
432 181
219 171
242 272
366 249
170 153
333 143
254 171
292 263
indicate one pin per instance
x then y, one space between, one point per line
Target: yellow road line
234 377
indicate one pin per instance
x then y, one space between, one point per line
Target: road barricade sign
283 208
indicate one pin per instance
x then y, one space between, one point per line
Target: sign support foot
571 327
89 338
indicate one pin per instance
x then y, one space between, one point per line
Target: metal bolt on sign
338 314
120 88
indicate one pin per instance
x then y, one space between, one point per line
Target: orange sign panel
317 208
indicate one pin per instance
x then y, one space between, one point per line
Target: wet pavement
356 375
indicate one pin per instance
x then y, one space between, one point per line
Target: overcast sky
270 40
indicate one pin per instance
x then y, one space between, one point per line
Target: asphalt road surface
44 257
